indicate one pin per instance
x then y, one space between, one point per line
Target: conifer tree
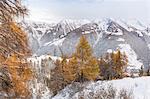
83 50
70 70
13 39
20 74
121 62
113 65
105 67
13 49
56 80
91 69
87 64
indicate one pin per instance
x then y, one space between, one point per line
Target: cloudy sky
55 10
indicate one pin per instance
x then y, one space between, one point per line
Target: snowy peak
69 25
62 28
103 35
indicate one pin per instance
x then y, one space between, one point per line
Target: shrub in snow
104 92
124 94
141 71
148 72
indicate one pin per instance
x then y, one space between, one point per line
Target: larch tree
70 70
13 39
87 64
13 50
80 66
20 74
63 74
104 68
56 82
120 62
113 65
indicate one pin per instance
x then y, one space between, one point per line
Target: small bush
108 92
124 94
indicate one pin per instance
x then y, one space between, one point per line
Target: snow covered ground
133 62
120 39
140 87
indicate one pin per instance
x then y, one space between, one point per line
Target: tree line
82 66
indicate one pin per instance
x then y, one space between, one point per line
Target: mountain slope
138 86
104 36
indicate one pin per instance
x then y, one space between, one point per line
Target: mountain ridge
103 36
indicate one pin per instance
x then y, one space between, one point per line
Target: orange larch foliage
20 74
70 70
13 50
113 65
82 65
87 64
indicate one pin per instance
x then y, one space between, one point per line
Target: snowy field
139 86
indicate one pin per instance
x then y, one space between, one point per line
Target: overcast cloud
52 10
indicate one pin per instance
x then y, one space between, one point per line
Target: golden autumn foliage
87 64
91 70
70 70
112 65
13 50
10 9
83 50
13 40
119 61
20 74
82 65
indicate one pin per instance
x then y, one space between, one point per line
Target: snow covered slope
132 37
139 86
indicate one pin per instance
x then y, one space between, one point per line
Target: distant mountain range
104 36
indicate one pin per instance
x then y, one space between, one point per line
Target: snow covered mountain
105 35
